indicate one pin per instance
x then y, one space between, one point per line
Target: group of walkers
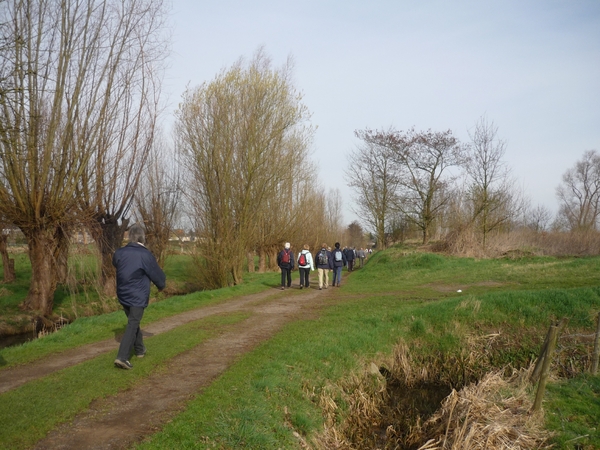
136 268
325 261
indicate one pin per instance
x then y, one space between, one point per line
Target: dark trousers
286 274
304 274
337 276
132 339
350 265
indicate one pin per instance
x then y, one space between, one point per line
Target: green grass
275 389
573 410
399 296
29 412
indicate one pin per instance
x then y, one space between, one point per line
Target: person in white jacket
305 265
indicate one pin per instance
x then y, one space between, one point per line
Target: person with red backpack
305 265
285 261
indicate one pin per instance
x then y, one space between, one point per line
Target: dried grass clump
362 397
466 241
492 414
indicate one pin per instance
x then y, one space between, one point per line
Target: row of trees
407 177
79 100
431 182
80 147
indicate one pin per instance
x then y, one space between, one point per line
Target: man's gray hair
137 234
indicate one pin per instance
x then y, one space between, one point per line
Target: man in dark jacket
136 268
350 257
324 263
339 261
285 261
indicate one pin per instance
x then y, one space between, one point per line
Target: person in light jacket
306 267
136 269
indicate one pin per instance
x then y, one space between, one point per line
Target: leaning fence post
545 367
596 354
540 360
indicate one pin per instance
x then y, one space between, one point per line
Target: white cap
287 245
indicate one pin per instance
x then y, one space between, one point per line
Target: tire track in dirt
120 421
16 376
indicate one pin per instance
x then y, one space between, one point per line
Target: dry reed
492 414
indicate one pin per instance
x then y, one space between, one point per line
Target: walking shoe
320 288
123 364
141 355
282 288
301 286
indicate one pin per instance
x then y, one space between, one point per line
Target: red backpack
302 259
285 259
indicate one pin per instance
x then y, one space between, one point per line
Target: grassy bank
276 397
280 395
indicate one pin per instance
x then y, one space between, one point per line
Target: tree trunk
7 262
61 254
42 247
273 260
109 239
250 257
262 261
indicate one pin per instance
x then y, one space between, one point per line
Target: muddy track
120 421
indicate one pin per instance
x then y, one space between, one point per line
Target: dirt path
121 420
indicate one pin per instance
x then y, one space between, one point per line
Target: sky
532 67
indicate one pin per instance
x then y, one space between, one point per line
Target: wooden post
552 335
540 359
596 348
538 364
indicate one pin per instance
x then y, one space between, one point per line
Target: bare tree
424 159
539 219
374 176
579 193
158 199
127 126
244 138
333 216
61 71
490 188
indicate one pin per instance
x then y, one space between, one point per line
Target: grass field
280 395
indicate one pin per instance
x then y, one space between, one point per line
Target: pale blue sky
532 67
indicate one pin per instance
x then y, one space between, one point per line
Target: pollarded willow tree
63 69
126 126
244 138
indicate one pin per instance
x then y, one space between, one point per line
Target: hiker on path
285 261
305 265
360 254
339 261
324 263
350 257
136 268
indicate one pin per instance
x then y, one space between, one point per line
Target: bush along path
121 420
